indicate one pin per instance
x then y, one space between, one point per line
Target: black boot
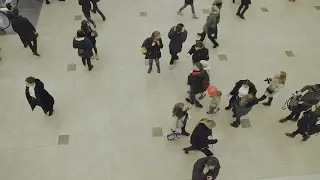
305 138
186 151
269 102
150 69
234 124
158 68
292 135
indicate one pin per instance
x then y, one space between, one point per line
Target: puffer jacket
198 80
83 43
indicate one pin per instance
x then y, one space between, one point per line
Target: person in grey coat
206 168
177 36
217 3
242 108
210 26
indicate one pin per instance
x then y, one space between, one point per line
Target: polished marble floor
110 123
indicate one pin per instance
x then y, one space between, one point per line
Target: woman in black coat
242 107
153 46
177 36
198 52
38 96
242 85
199 137
305 124
91 35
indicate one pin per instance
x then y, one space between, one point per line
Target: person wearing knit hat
244 7
210 25
187 3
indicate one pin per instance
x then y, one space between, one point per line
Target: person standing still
96 9
244 7
38 96
206 168
26 31
177 36
153 45
187 3
86 8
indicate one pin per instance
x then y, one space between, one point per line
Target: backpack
81 52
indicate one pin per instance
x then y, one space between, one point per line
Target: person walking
91 35
197 80
84 46
86 8
210 26
96 9
217 3
243 8
242 107
200 137
153 46
275 84
309 95
38 96
26 31
305 124
181 115
206 168
199 52
241 89
214 102
177 36
188 3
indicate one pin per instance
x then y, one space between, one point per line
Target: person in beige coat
275 84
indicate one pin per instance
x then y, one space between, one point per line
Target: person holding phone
206 168
153 46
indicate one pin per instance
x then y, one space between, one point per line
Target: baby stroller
292 101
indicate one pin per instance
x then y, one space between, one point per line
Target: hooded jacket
197 81
312 96
85 44
176 39
199 137
198 55
197 172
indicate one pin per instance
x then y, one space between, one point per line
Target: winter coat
85 44
312 96
197 172
246 2
273 88
199 137
85 5
235 90
308 121
23 27
198 81
176 40
244 110
153 52
198 55
210 24
43 98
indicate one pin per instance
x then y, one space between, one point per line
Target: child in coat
214 103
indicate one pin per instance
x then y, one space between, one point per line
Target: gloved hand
213 141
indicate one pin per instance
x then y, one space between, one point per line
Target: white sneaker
179 12
195 16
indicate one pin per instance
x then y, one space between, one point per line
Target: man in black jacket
206 168
244 7
177 36
86 8
305 124
307 100
84 47
28 34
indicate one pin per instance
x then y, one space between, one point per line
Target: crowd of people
243 95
